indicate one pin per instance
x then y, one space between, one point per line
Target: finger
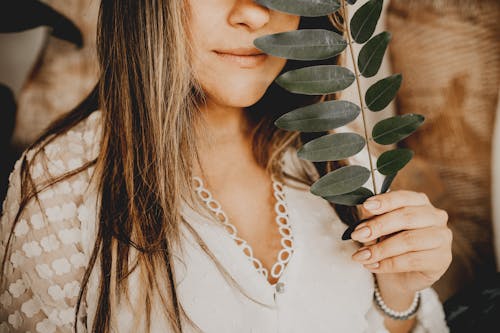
404 242
421 261
386 202
406 218
363 213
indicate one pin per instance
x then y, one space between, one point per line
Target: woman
159 211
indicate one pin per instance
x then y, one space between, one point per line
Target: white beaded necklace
281 219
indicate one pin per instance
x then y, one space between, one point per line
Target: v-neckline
241 244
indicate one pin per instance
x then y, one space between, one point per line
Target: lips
244 57
241 51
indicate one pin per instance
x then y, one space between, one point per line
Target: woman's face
222 28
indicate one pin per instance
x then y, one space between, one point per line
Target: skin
414 248
413 251
229 169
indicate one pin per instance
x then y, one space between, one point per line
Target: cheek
294 21
225 82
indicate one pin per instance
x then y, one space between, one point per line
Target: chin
242 96
244 101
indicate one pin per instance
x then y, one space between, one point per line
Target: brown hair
149 102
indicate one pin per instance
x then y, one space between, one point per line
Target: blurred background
448 52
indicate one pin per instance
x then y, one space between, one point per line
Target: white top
321 288
281 218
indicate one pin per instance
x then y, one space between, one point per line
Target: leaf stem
361 102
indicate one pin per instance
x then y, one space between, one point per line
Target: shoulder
58 155
45 237
59 171
67 151
49 184
42 169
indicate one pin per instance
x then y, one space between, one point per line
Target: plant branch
361 102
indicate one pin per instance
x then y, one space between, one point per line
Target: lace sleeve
430 316
45 261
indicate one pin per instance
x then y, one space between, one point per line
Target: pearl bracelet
397 315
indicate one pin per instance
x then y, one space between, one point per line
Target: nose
249 14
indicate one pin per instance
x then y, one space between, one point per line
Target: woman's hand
414 247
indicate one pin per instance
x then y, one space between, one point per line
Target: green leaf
332 147
353 198
319 116
381 93
394 129
371 54
308 8
351 2
386 184
304 44
393 160
365 20
316 80
340 181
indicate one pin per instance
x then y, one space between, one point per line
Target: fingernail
374 265
361 233
362 255
371 204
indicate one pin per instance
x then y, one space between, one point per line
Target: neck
223 137
222 125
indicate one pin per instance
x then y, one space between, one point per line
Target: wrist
399 308
393 294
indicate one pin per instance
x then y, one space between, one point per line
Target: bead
280 287
397 315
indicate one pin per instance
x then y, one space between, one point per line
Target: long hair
149 97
